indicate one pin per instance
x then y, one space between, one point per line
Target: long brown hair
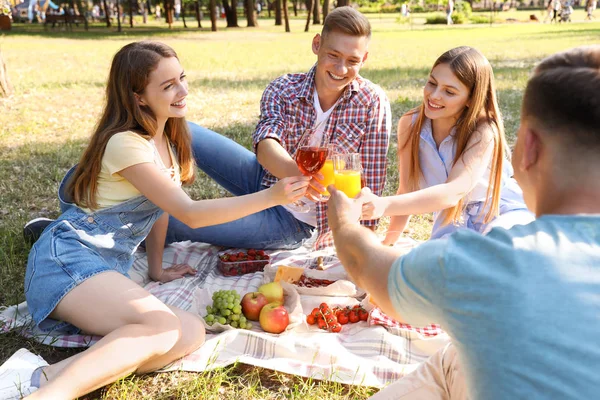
129 75
475 72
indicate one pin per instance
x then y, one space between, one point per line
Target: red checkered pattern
377 317
359 124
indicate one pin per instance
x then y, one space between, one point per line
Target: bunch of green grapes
226 310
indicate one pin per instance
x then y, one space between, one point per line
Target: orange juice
348 181
327 172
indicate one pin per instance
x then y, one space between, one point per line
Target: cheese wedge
288 274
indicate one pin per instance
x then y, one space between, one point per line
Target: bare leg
140 334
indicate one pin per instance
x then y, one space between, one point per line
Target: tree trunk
286 17
277 12
6 88
342 3
250 13
269 8
316 13
118 17
295 7
231 13
213 15
309 7
106 13
197 10
325 9
131 13
183 15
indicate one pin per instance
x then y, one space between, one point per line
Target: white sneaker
15 374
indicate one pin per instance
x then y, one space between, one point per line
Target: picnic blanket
373 353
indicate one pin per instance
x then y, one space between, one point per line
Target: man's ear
364 60
532 149
316 43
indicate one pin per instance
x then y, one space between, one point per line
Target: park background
58 77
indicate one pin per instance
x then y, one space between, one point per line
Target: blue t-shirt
522 305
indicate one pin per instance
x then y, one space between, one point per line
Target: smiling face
166 90
444 95
339 59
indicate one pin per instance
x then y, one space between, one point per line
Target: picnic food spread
265 306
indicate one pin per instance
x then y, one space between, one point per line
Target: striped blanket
373 353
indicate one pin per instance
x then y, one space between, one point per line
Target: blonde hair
475 72
129 75
348 21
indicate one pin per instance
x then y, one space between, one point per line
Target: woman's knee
165 326
193 332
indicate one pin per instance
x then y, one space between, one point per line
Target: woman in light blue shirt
452 154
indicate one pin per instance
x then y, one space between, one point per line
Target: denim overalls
436 164
78 246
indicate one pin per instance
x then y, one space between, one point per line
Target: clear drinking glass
347 173
310 157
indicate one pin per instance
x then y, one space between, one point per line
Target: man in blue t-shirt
522 305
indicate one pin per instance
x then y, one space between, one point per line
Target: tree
309 8
316 13
183 14
231 13
131 13
213 15
106 13
5 87
197 6
118 16
342 3
277 12
325 9
250 13
286 16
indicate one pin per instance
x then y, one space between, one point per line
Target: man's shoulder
289 82
369 92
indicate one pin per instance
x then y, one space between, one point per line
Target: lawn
59 79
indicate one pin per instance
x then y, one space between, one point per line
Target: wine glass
347 173
310 157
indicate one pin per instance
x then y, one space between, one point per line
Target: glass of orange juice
347 171
328 171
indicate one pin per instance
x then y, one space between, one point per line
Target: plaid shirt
360 123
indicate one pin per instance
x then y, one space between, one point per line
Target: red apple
274 318
273 291
252 303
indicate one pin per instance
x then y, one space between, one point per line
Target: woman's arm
155 244
158 188
465 174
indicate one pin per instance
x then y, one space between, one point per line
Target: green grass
59 79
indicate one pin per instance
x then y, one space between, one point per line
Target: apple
274 318
252 303
272 291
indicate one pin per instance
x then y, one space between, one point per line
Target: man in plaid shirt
349 110
520 304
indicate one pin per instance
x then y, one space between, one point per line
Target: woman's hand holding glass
373 206
290 189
